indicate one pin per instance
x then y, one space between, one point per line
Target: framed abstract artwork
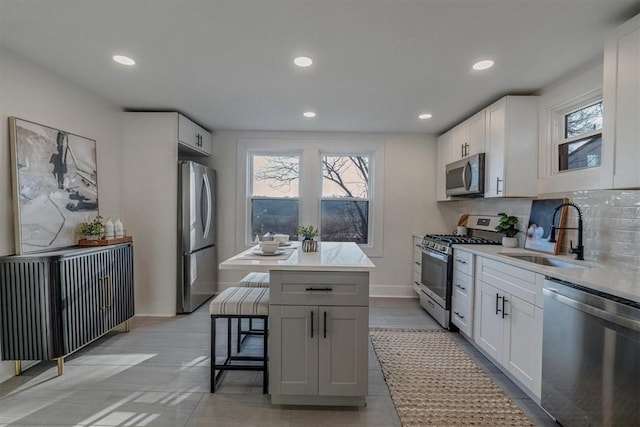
55 185
539 227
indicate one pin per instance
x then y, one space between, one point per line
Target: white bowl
269 247
281 238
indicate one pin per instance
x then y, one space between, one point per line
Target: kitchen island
318 322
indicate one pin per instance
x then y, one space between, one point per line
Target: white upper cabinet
511 147
468 137
445 155
621 127
464 140
193 137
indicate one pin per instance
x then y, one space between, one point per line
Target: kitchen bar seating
239 303
252 280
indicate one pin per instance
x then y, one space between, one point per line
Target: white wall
409 200
31 93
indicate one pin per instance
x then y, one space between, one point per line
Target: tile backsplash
611 220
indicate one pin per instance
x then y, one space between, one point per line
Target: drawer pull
417 284
461 287
417 262
461 261
458 314
327 289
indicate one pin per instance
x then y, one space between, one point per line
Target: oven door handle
441 257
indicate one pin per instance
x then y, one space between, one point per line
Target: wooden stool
251 280
239 303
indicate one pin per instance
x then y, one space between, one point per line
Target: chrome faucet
579 250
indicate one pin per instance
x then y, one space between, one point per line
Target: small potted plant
93 230
309 234
509 226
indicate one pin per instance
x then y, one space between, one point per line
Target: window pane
345 221
279 216
275 176
584 120
584 153
345 176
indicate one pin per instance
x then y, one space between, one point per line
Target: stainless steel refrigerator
197 252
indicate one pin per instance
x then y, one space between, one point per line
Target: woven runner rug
433 382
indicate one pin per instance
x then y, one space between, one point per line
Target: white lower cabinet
318 352
508 319
462 291
417 264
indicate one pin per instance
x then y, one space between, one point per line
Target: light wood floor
158 375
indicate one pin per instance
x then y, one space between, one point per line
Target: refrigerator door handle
205 199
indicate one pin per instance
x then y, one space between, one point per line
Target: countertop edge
595 277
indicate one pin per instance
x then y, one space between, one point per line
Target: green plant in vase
92 230
509 226
309 233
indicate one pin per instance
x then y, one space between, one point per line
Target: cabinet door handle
497 302
461 150
458 314
461 287
327 289
466 149
498 181
325 324
417 262
107 280
417 284
504 313
311 324
461 261
103 305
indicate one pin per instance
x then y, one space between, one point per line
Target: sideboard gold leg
17 366
127 325
60 365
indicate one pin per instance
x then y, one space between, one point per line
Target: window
274 194
344 207
581 143
333 184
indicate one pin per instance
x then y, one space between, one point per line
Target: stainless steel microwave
465 178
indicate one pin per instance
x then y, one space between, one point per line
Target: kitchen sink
551 262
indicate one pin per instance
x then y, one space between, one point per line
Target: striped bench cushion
255 280
238 301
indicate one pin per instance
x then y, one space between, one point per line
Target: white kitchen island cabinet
318 323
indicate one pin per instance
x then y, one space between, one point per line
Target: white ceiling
378 63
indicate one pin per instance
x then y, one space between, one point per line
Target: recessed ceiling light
309 114
483 65
303 61
425 116
124 60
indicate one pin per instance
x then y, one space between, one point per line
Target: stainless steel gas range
437 264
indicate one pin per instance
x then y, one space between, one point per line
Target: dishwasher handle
589 309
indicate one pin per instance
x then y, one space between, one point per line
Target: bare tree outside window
345 196
345 199
582 143
274 194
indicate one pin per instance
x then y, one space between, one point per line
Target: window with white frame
579 145
344 205
334 185
274 193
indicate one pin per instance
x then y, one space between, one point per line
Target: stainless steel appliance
437 264
465 178
197 257
590 357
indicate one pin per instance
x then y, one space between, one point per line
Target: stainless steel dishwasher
590 357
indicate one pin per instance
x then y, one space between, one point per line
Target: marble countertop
611 279
331 256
